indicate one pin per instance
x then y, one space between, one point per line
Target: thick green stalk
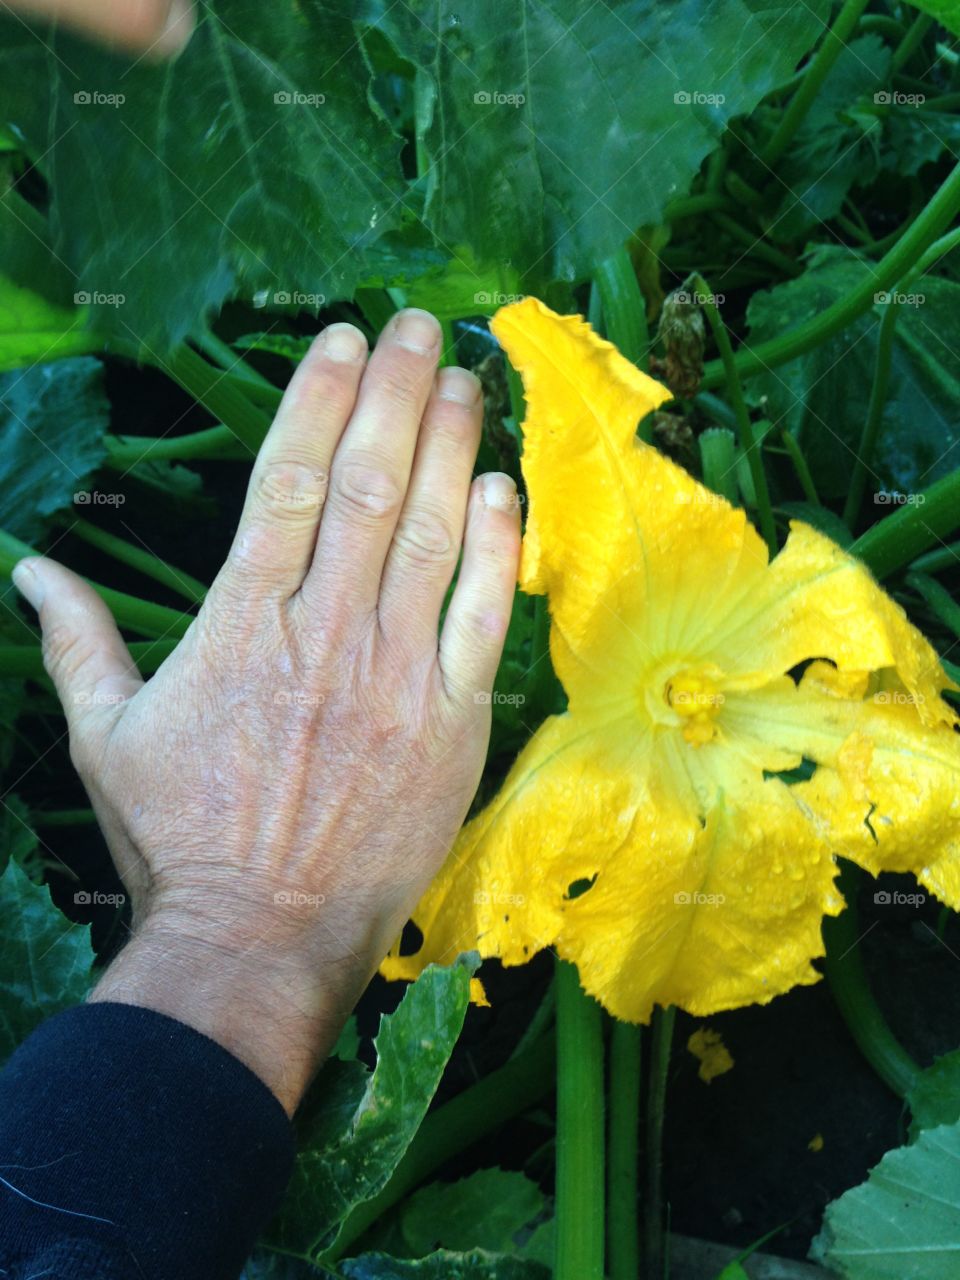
580 1139
871 426
464 1120
745 428
142 616
26 660
816 72
911 250
624 307
137 558
623 1138
233 363
654 1234
910 42
843 965
900 537
125 452
219 393
691 206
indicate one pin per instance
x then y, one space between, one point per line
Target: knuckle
291 489
403 385
424 538
65 650
366 490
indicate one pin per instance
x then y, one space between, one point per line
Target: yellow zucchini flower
696 671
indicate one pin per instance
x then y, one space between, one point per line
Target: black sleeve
134 1148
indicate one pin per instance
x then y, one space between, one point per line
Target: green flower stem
137 558
624 307
911 250
623 1130
142 616
452 1128
580 1138
737 231
899 538
218 392
654 1234
910 42
125 452
843 965
939 599
871 426
62 817
816 72
936 561
26 660
744 426
801 468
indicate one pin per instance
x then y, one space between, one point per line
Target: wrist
278 1009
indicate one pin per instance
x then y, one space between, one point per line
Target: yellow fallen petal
478 994
815 1143
713 1055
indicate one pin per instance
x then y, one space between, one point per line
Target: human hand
281 792
158 27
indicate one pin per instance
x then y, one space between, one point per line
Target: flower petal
816 601
706 910
886 792
610 518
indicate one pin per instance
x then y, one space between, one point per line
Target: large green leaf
44 959
554 128
252 164
52 421
485 1210
946 12
935 1098
357 1125
822 396
903 1223
476 1265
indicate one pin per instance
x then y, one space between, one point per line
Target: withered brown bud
683 334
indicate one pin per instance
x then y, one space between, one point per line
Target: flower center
696 698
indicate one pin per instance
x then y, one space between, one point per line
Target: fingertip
342 342
29 581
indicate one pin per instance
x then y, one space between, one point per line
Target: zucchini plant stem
912 250
623 1141
871 426
744 426
137 558
654 1233
580 1196
816 72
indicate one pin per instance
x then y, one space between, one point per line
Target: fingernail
459 385
417 331
28 583
499 491
344 342
178 28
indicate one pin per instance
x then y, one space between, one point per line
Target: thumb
83 651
